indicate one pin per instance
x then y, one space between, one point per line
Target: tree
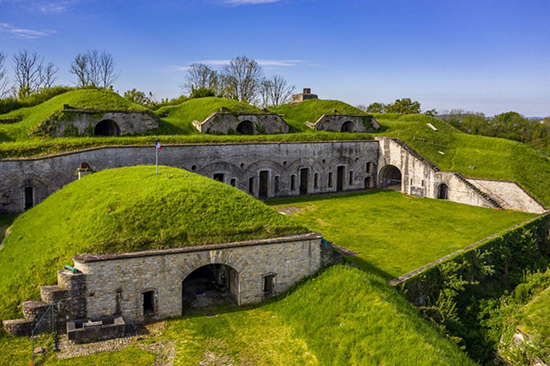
28 73
3 76
376 108
361 107
431 112
200 76
403 106
48 75
280 90
242 79
265 93
94 69
139 97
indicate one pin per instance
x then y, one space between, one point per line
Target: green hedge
450 293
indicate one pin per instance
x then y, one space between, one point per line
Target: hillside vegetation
180 117
125 210
83 98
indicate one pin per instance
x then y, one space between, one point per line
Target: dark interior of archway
245 128
209 286
107 128
443 192
347 127
392 176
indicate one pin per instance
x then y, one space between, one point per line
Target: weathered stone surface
346 123
249 124
83 122
115 284
18 327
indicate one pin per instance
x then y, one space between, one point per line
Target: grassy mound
84 98
342 317
124 210
180 117
296 115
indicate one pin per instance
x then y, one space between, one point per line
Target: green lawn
126 210
395 233
5 222
343 316
534 319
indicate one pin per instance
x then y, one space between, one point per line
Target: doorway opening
340 178
347 127
304 173
220 177
245 128
269 285
149 303
29 198
443 191
107 128
264 185
391 177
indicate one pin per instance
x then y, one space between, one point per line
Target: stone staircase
485 196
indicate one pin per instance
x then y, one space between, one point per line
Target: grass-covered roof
127 210
97 99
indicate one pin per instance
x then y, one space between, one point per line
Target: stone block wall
346 123
116 283
228 123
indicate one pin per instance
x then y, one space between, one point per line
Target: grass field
395 233
534 318
125 210
343 316
5 222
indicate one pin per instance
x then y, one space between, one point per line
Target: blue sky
482 55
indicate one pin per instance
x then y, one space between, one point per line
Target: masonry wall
223 123
116 283
238 164
335 122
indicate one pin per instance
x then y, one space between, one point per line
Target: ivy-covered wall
451 292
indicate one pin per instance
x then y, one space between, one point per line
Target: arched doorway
245 128
443 191
390 177
209 286
107 127
348 126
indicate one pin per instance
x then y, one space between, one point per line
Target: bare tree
265 93
200 76
280 90
94 69
27 72
242 79
361 107
3 76
48 75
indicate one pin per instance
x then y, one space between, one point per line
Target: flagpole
157 156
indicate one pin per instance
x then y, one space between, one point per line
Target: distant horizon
488 57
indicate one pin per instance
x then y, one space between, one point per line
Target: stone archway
107 127
347 126
390 177
209 286
245 128
443 191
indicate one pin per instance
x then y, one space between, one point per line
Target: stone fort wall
264 170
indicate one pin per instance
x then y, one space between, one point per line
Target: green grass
395 233
297 115
5 222
342 317
87 98
180 117
533 319
124 210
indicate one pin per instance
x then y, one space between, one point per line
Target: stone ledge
18 327
89 258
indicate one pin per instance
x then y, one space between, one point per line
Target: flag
158 144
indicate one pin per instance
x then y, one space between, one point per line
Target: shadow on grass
369 267
322 197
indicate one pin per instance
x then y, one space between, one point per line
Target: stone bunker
345 123
242 123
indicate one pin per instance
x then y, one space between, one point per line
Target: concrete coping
89 258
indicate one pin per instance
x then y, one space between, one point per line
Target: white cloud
24 33
42 6
265 63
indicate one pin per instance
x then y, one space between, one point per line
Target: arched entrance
209 286
348 126
107 127
390 177
443 191
245 128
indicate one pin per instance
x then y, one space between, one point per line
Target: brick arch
341 160
264 165
313 164
210 169
238 263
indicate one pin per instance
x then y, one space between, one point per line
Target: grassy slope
342 317
5 222
534 319
180 117
88 98
395 233
124 210
296 115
